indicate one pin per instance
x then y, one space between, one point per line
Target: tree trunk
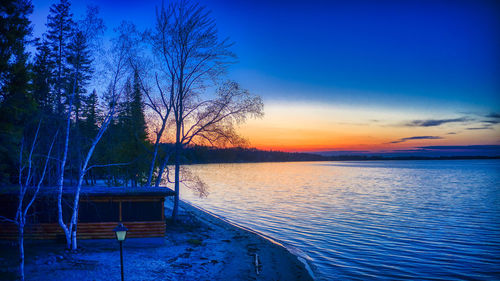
152 166
162 168
67 230
74 246
21 250
155 152
175 211
60 185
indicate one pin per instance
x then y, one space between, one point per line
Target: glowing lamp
121 232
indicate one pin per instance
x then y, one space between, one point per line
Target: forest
106 114
88 94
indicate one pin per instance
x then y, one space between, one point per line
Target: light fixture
121 234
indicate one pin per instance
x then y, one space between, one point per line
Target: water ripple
385 220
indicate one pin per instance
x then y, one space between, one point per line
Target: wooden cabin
141 210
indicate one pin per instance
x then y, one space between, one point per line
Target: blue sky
391 51
419 60
375 50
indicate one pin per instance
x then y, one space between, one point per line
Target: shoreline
203 212
202 246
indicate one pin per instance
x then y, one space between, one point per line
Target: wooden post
162 209
120 210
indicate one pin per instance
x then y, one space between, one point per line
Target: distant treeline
205 155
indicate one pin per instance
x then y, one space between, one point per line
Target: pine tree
89 124
124 106
90 116
138 134
107 150
16 103
122 134
80 66
130 136
15 28
42 74
60 27
137 112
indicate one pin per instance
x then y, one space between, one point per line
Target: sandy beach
200 247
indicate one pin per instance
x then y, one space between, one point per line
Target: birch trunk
21 250
21 212
175 211
162 168
67 230
155 152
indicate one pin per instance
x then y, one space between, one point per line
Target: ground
199 247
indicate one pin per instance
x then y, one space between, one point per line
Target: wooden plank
85 230
163 209
120 211
115 199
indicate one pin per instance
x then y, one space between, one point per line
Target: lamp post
121 233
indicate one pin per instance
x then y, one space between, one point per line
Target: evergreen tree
137 112
124 106
90 116
42 74
17 107
79 66
138 135
79 62
89 125
15 29
122 135
60 27
107 150
130 137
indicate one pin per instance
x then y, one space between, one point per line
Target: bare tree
162 107
212 122
117 69
151 79
194 60
28 191
70 229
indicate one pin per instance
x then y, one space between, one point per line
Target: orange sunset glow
302 127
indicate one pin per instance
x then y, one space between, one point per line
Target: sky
354 76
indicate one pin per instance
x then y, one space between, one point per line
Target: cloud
434 122
461 147
491 122
495 115
480 128
417 138
451 133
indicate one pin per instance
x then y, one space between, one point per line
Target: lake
386 220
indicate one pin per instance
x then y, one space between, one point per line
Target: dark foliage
17 108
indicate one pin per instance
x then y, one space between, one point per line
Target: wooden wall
93 230
98 230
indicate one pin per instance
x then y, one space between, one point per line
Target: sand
199 247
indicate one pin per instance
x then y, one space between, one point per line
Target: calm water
369 220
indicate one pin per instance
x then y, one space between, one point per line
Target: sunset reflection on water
374 219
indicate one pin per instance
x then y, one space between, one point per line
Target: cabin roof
96 191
